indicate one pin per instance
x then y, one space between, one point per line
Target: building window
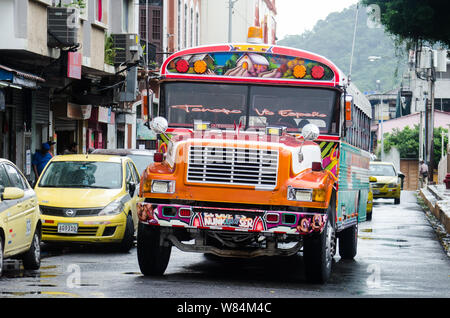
125 13
192 27
185 25
99 10
156 24
197 29
142 24
179 25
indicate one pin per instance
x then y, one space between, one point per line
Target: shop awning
18 78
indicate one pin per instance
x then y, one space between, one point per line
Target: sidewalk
437 198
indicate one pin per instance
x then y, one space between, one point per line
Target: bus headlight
163 186
300 194
306 195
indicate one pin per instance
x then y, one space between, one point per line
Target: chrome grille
55 211
227 165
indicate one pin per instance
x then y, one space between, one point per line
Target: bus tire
318 251
348 242
152 257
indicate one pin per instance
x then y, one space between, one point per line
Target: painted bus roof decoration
246 62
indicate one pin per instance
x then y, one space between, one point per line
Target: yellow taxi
389 180
20 220
89 199
369 208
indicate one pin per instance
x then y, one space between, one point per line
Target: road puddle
31 293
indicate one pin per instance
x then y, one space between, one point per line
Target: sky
297 16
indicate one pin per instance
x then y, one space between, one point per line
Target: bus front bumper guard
231 219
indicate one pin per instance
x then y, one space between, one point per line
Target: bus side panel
353 185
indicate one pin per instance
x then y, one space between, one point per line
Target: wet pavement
399 255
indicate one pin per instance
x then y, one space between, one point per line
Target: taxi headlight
163 186
115 207
392 185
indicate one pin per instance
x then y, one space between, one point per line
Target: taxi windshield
251 106
76 174
382 170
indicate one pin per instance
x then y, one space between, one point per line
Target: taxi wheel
128 237
369 215
32 258
1 256
152 257
397 201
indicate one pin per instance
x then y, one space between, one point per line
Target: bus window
294 107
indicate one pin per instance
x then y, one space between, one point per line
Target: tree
407 142
415 21
332 38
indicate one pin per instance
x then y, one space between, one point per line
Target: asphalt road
399 255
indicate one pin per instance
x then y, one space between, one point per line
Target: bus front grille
235 166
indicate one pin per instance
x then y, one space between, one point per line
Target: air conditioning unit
62 27
127 48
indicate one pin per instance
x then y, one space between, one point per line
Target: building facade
60 86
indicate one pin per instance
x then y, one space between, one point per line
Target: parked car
20 221
89 199
389 180
141 157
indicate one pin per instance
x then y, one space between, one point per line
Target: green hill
332 38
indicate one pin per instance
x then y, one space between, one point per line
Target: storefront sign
74 62
143 132
106 115
76 111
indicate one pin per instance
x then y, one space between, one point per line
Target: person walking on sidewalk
423 174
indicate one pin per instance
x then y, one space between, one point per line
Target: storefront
69 124
101 129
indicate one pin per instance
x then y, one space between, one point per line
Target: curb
437 205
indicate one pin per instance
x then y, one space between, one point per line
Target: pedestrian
52 150
71 150
40 159
423 174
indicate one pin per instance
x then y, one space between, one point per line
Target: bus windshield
252 106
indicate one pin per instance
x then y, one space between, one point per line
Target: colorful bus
264 151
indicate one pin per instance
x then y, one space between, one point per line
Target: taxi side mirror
402 177
131 188
12 193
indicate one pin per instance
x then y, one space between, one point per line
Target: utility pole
381 119
430 121
230 19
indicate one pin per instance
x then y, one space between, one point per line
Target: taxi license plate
376 191
68 228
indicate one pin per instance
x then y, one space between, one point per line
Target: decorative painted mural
249 64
